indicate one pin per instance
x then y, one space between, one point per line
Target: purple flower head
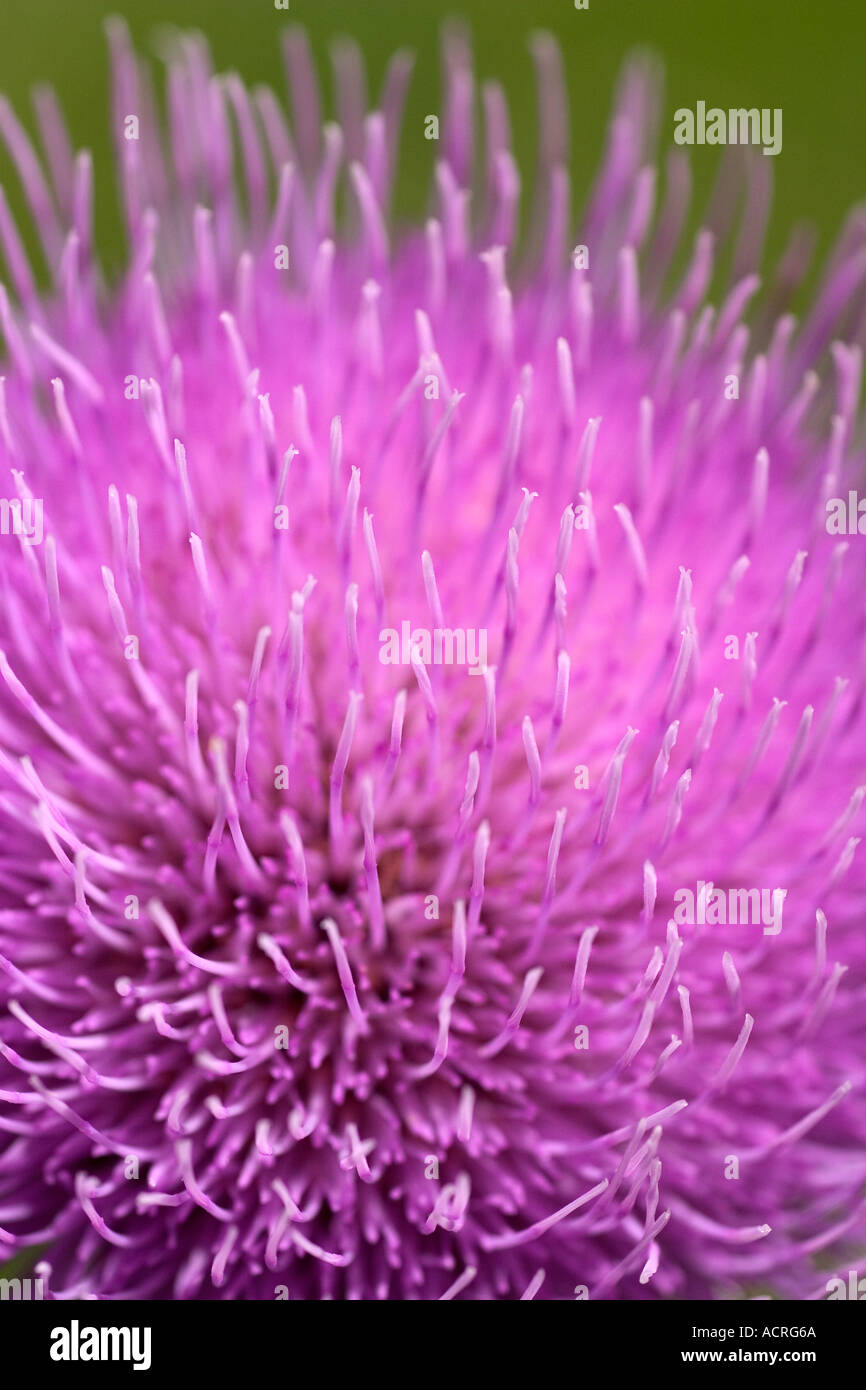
413 648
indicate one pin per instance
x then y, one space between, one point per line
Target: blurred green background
801 55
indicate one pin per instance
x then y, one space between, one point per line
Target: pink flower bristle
243 823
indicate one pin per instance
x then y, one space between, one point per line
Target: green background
805 56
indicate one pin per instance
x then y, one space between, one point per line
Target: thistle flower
329 976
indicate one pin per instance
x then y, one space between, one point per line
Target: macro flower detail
328 976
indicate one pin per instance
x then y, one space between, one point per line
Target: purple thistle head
432 717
